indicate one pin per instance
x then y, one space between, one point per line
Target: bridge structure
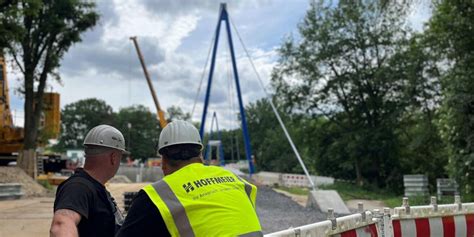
224 18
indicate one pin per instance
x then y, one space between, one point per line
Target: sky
175 37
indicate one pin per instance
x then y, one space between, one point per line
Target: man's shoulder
77 185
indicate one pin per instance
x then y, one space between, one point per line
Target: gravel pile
278 212
29 186
120 179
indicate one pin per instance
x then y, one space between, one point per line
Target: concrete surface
324 199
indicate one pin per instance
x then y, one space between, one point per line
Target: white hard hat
179 132
105 136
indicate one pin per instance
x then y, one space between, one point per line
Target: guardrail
10 191
447 220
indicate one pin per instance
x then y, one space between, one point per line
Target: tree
142 134
343 68
176 113
451 34
79 117
46 31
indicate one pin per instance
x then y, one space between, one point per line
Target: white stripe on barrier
408 227
460 226
436 226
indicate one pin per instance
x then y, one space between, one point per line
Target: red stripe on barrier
448 226
422 227
373 230
470 225
397 229
350 233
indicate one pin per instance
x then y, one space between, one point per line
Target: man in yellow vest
192 199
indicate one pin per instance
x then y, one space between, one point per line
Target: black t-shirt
86 196
143 219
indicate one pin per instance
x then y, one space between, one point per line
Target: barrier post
434 203
457 200
360 209
386 223
406 205
331 217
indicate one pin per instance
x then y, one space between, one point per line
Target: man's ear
113 156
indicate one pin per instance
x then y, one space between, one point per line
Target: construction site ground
31 216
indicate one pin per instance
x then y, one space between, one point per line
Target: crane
11 137
160 112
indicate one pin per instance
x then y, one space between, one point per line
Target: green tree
343 68
176 113
143 132
46 29
451 34
79 117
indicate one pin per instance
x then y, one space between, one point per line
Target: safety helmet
105 136
179 132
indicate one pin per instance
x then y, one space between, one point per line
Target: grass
349 191
45 184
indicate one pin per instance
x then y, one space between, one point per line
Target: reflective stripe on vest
251 191
200 200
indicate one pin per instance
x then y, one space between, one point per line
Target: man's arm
65 223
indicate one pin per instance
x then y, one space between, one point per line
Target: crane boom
160 112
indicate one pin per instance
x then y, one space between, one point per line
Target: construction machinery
11 137
160 112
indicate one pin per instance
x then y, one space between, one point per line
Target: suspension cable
202 76
275 111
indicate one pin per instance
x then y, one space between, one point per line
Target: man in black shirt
143 219
83 207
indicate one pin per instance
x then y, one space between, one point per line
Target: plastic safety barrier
362 224
448 220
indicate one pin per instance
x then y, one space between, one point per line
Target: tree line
368 99
139 126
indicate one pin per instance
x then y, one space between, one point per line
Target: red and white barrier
447 226
355 225
450 220
366 231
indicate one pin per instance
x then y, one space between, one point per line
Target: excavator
11 137
160 112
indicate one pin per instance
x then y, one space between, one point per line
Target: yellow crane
160 112
11 137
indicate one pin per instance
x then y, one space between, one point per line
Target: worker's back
206 201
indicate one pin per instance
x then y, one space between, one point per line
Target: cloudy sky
175 37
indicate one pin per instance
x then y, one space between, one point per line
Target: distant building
76 156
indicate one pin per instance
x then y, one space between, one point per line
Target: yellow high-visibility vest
199 200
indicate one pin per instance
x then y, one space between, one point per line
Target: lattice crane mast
160 112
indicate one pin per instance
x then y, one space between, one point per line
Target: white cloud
174 36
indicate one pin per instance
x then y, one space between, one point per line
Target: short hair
181 152
92 150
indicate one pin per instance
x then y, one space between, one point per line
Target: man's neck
192 161
96 175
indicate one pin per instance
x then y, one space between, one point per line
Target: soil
29 186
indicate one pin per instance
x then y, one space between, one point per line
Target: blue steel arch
224 17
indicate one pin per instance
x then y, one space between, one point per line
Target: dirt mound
120 179
16 175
